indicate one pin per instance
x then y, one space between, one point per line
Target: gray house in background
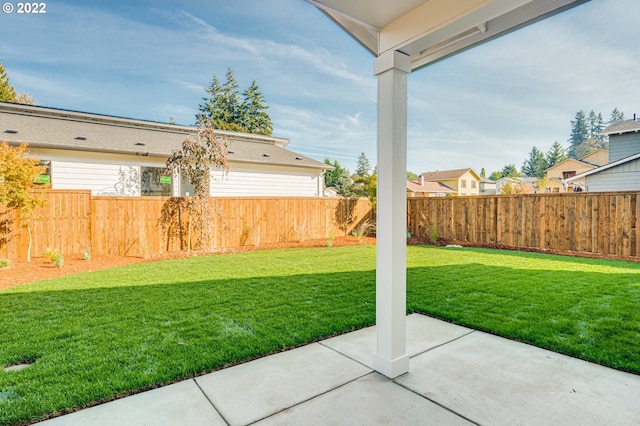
622 173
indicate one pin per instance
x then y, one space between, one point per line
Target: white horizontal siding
101 179
625 177
100 173
266 182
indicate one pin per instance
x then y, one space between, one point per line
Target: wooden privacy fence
75 221
605 223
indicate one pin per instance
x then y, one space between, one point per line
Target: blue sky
484 108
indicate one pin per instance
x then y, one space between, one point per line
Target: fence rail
76 221
604 223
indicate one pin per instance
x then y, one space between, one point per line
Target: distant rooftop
620 127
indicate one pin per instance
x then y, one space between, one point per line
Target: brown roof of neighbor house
570 160
447 174
592 157
620 127
43 127
414 186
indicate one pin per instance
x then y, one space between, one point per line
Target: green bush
4 263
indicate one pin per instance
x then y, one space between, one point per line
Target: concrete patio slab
496 381
458 376
423 333
249 392
179 404
370 400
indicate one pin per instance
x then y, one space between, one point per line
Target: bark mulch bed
40 268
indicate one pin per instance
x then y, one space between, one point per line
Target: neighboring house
599 157
447 182
487 187
120 156
524 185
420 188
558 174
622 172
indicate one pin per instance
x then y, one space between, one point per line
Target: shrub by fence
76 221
605 223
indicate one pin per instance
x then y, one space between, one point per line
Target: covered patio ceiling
405 35
431 30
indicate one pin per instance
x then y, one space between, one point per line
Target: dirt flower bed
40 268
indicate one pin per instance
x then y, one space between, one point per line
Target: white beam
390 357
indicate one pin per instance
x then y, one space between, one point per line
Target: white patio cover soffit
431 30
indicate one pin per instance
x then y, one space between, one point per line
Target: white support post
390 357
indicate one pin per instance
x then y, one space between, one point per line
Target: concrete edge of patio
457 376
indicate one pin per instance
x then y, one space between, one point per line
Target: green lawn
100 334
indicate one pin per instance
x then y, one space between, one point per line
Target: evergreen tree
616 115
363 165
535 165
8 92
338 178
229 113
510 171
496 176
483 173
212 103
596 125
579 133
223 108
254 118
556 154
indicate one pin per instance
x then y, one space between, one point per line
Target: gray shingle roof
62 129
619 127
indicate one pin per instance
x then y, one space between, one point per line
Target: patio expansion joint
426 397
444 343
452 411
311 398
345 355
211 402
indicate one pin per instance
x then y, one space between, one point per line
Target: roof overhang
431 30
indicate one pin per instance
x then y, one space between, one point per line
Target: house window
473 184
463 183
45 177
567 175
154 183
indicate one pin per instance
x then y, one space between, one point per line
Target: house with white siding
622 172
120 156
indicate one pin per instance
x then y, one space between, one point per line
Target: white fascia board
602 168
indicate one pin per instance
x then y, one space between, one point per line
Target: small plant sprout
330 238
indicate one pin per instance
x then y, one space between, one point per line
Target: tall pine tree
363 165
535 165
253 112
226 111
556 154
616 115
579 133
